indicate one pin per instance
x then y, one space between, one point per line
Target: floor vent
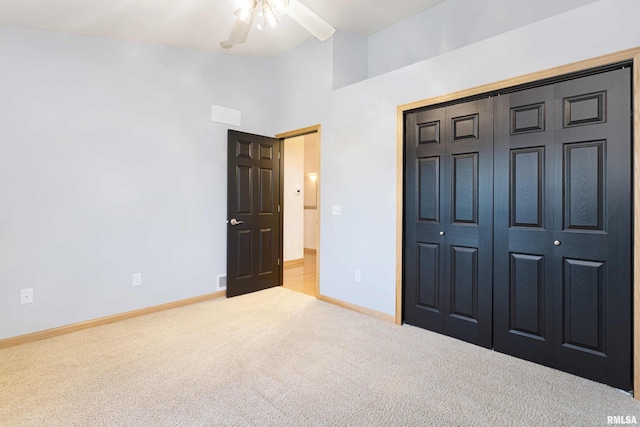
222 282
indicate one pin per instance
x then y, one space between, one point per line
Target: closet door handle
557 243
442 233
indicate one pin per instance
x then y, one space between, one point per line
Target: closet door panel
583 289
464 188
468 219
464 283
526 296
523 253
428 280
592 258
424 212
526 181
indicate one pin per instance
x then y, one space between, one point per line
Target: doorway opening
300 207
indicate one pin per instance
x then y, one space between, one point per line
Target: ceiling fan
265 14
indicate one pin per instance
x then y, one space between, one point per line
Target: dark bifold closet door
563 226
448 220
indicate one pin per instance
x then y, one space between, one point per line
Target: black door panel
563 228
593 226
449 221
253 196
524 216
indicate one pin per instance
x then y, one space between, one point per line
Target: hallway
302 278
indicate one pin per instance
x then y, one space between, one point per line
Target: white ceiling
198 24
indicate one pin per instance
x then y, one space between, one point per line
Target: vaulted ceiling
199 24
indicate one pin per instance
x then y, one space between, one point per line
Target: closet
517 223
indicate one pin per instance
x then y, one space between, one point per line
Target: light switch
336 210
136 279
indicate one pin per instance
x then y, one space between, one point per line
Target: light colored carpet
279 357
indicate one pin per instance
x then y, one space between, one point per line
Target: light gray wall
292 201
350 58
358 147
304 83
454 24
109 166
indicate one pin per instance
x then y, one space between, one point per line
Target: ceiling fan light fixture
279 6
244 14
264 13
270 18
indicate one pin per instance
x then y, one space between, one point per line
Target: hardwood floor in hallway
302 278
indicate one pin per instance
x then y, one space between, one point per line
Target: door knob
442 233
557 242
235 221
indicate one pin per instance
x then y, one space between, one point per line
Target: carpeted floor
279 357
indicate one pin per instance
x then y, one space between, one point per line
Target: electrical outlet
26 296
358 276
136 279
336 210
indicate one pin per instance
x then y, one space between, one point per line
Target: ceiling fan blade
309 20
239 33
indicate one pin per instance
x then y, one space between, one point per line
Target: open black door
253 207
